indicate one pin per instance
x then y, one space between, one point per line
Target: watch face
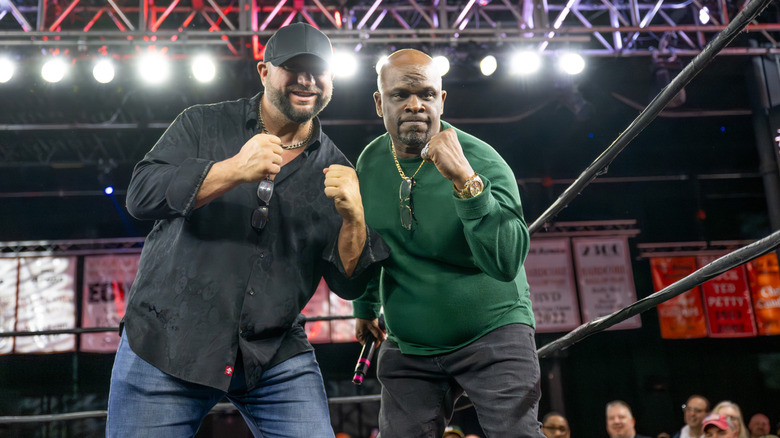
475 187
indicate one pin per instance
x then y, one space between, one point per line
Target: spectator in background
719 426
732 410
555 425
759 425
695 409
620 420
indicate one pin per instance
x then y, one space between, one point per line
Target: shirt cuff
375 250
478 206
186 182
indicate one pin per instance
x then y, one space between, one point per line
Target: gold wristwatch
472 188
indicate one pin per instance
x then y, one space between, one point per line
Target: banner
107 280
326 303
47 301
765 290
8 283
553 293
605 278
681 317
727 300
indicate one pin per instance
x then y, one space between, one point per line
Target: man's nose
414 104
305 78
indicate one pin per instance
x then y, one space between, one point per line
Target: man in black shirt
252 204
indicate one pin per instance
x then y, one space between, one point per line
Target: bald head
415 65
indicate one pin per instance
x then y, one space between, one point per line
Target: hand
364 326
445 152
260 157
341 185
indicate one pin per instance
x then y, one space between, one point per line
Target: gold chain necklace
398 165
284 146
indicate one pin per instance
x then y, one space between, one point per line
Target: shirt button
251 292
262 255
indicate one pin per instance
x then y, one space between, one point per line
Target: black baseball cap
297 39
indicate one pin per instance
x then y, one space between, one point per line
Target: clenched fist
341 185
259 157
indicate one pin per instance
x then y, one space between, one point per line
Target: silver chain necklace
284 146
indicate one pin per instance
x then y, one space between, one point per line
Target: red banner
681 317
107 281
765 290
727 300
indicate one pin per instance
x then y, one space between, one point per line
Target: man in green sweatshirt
454 291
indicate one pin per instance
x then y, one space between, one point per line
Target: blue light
722 129
590 135
108 190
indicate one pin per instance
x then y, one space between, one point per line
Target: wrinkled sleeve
368 306
494 225
165 183
374 252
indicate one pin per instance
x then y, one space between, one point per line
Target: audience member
758 425
732 410
719 426
555 425
695 409
620 421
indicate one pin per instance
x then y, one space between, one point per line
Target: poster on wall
47 301
553 293
605 278
107 281
8 284
681 317
727 301
764 281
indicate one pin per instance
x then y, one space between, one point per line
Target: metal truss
240 27
71 247
678 249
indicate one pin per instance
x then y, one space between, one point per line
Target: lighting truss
240 27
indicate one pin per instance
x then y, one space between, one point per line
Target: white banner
8 284
605 278
107 281
47 301
553 293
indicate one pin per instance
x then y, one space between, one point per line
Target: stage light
571 63
488 65
108 190
382 61
525 63
54 70
442 64
7 68
344 64
154 68
203 69
103 71
704 15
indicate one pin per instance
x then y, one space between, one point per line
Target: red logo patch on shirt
229 370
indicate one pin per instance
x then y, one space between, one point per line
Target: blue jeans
499 372
289 402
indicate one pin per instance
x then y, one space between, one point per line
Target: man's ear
262 70
378 102
443 96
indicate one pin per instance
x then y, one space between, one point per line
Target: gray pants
499 372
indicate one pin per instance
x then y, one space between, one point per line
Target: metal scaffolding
615 28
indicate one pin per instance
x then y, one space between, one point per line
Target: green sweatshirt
458 274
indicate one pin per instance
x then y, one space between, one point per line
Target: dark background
683 179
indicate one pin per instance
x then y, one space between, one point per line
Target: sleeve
368 306
350 288
165 183
493 222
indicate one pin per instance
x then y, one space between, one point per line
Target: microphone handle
364 361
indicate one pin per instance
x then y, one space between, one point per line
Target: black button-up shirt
208 284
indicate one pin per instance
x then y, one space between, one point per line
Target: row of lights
154 68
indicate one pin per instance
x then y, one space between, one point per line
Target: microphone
364 361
